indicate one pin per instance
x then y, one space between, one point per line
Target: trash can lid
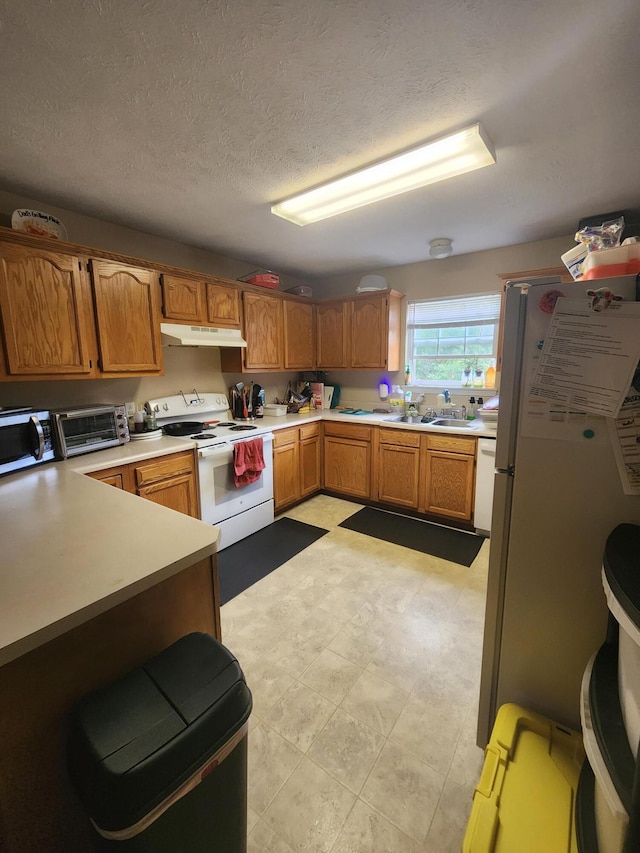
621 565
134 742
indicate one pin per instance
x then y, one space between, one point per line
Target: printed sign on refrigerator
625 437
588 357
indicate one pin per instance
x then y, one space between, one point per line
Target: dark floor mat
243 564
437 540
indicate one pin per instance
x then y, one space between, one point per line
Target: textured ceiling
187 119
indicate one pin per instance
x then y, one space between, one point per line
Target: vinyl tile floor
363 658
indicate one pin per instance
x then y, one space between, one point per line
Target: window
448 340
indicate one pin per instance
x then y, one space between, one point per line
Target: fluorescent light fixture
442 158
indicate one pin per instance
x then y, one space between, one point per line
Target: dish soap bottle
471 411
490 377
396 398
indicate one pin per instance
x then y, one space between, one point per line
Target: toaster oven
87 428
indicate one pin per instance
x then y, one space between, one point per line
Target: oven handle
218 449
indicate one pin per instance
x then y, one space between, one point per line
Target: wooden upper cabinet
368 339
183 299
375 331
331 327
47 323
223 305
360 332
263 321
299 334
127 306
211 303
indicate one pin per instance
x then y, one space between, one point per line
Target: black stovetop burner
242 427
204 435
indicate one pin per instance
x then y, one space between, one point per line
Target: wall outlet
131 409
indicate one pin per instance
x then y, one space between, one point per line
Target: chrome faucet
459 413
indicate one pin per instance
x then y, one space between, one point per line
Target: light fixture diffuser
441 247
438 160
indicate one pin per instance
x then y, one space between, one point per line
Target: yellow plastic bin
525 799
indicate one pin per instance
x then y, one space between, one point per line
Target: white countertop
73 547
476 427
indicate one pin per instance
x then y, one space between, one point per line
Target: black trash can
159 757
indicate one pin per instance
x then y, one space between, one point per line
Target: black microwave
25 438
87 428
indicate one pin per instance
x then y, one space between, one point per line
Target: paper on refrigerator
588 358
625 437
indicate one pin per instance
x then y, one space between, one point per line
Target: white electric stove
204 418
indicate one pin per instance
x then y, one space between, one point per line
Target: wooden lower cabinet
286 468
166 480
398 467
296 464
120 477
310 460
448 468
347 459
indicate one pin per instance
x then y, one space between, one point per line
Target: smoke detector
440 247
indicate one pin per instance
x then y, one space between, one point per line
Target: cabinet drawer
452 443
282 437
309 431
398 436
163 467
118 476
348 431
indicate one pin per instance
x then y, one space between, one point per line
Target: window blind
458 311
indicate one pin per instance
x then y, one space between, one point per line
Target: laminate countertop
73 548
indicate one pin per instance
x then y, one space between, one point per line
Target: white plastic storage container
621 582
611 817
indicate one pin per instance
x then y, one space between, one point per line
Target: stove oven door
220 499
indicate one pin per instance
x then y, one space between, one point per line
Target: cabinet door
449 484
177 493
169 481
46 312
263 331
223 305
286 475
347 466
398 475
368 342
332 335
299 336
183 299
119 477
310 469
127 302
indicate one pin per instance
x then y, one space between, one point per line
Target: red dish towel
248 462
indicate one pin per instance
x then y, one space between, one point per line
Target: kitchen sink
452 423
406 419
449 423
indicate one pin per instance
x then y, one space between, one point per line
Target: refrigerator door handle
512 348
510 470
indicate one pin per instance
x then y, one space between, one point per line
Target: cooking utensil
250 400
183 428
245 411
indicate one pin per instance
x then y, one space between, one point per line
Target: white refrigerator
558 494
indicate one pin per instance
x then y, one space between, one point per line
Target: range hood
176 335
